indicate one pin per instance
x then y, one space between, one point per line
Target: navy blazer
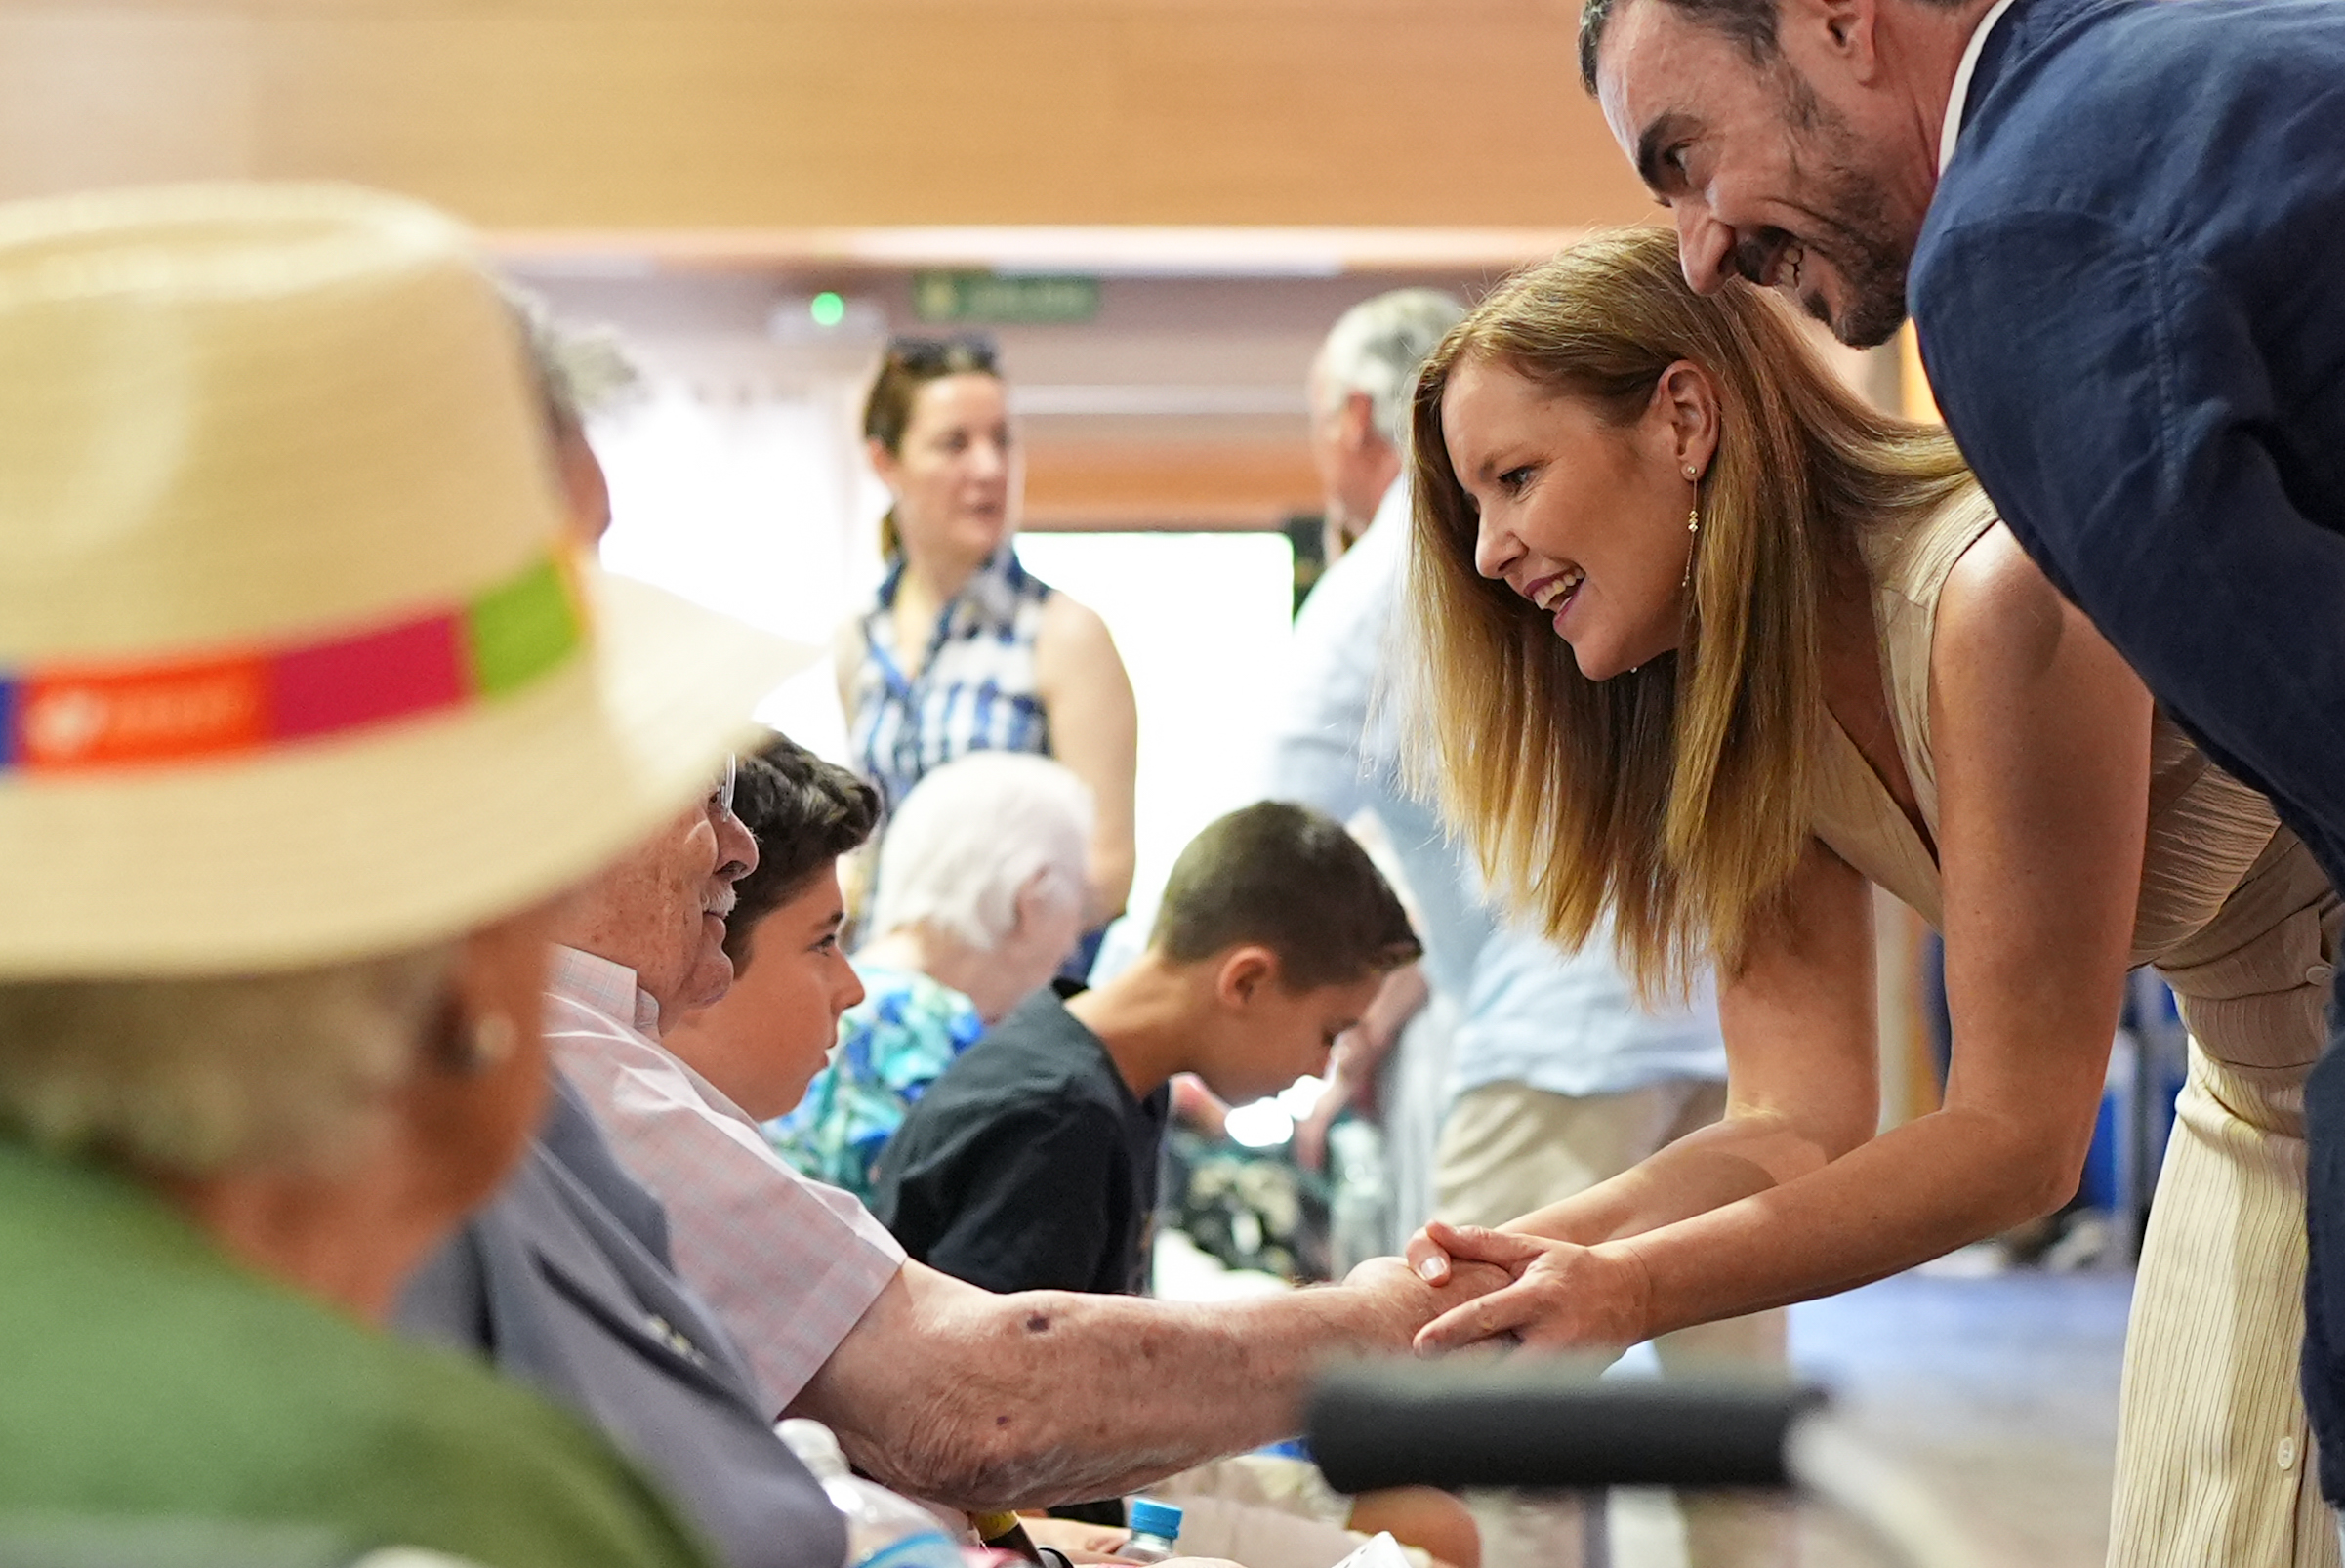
2131 307
2131 304
564 1280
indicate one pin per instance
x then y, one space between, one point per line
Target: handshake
1468 1285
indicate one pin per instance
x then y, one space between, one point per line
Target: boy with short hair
1031 1163
767 1038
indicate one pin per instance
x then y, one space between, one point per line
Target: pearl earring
1691 473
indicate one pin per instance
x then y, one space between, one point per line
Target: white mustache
722 906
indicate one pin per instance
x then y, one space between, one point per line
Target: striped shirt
976 689
789 1264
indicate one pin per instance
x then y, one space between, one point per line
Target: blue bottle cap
1159 1519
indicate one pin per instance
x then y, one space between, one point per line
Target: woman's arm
846 657
1094 730
1802 1071
2043 741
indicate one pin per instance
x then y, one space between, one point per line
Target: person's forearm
1397 1001
1913 1194
1704 1170
1049 1396
1112 859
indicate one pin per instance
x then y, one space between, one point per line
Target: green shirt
143 1373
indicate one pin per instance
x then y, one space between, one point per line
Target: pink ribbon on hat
89 718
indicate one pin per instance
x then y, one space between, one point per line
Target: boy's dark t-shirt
1029 1165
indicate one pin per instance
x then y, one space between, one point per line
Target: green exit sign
987 299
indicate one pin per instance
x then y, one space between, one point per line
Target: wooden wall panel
650 114
93 95
1166 483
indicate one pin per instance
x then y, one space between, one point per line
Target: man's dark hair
805 813
1748 22
1292 881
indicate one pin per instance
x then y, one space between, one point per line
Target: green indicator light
826 308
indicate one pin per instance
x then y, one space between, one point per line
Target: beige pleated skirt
2215 1460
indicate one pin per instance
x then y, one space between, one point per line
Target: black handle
1525 1421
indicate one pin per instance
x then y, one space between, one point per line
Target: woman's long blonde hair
1676 795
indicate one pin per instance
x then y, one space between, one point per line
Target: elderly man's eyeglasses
720 798
928 357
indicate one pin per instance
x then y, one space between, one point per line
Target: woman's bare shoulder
1071 628
1999 615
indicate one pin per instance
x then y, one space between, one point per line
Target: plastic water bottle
1155 1528
883 1530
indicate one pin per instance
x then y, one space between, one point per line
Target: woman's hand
1560 1296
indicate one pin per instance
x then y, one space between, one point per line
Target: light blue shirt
1566 1024
1335 748
1570 1024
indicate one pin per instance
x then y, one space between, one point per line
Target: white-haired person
581 371
290 638
980 899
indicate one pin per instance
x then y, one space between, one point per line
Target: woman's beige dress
2214 1459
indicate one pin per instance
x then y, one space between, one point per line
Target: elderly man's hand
1412 1301
1556 1295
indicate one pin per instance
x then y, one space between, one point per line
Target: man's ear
1242 975
1843 31
1360 421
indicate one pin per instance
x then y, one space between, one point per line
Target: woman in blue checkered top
964 649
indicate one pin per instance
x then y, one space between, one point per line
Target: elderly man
566 1280
937 1387
2100 215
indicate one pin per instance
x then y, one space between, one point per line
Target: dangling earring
1693 529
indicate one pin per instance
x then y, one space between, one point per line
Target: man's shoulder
2101 112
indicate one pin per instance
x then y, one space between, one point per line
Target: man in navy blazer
2115 224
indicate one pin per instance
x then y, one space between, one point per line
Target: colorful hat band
97 718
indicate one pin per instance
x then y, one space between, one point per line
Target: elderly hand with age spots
1558 1296
1417 1298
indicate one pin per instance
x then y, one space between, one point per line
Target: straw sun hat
296 663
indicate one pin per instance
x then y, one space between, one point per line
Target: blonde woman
1713 645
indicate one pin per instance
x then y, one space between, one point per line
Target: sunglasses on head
925 356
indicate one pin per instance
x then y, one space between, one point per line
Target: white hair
1376 347
216 1073
972 834
581 371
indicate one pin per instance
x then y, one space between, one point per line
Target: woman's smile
1556 594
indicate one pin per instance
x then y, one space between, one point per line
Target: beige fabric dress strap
1854 811
2239 920
2210 893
